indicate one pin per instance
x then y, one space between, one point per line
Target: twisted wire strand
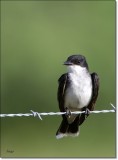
54 113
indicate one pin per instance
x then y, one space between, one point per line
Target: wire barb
113 106
35 114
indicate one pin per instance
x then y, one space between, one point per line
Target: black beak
68 63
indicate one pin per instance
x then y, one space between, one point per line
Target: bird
77 91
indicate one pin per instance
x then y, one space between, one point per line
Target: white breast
79 93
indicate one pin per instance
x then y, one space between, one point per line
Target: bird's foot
68 112
87 112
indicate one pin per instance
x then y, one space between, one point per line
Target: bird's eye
78 62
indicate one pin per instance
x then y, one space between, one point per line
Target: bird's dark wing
65 127
95 89
63 83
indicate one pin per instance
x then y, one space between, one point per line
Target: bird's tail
67 129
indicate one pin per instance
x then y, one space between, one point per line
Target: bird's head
76 61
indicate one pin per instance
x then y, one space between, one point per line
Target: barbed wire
35 114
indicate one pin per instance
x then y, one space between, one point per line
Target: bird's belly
78 96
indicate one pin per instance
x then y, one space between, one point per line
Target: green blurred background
36 38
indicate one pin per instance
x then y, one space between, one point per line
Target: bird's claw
87 112
68 112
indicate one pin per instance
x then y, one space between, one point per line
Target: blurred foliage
36 38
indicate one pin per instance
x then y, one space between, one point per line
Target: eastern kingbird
77 91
